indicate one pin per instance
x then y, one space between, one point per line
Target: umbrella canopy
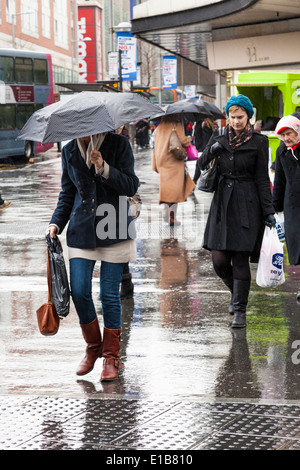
86 114
187 109
210 108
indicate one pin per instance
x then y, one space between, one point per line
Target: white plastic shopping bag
280 226
270 266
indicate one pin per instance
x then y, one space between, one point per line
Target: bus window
7 69
40 71
24 113
7 116
27 85
38 106
24 70
167 96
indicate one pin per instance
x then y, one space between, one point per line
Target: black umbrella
206 106
187 109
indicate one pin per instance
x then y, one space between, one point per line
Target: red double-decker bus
26 85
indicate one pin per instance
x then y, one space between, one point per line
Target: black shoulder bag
209 177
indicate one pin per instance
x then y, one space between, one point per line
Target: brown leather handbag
47 318
175 146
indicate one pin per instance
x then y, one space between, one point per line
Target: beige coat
175 186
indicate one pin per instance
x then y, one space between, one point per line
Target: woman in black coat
241 204
286 192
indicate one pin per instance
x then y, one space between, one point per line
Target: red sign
23 94
90 58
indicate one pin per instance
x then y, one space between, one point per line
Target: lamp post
13 17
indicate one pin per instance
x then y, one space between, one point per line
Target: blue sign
169 72
126 43
277 260
132 4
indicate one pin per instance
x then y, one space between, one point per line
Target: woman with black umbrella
242 202
97 179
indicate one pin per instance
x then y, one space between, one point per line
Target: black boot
229 283
127 286
240 301
298 297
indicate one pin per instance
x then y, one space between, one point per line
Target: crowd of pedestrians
98 170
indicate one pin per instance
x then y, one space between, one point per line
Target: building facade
78 33
42 26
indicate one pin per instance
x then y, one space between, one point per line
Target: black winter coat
286 197
243 197
202 135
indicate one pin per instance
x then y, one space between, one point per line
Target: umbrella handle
92 142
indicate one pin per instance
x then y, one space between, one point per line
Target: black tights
228 264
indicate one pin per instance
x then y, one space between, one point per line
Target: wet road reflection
177 342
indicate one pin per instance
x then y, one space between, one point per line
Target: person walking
4 204
142 128
127 286
242 202
97 179
174 184
286 189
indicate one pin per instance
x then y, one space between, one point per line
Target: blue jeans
81 275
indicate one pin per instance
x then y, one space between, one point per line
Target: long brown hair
210 123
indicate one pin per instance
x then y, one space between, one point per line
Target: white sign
113 65
169 72
252 52
126 43
190 92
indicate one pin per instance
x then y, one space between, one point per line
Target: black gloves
215 148
270 221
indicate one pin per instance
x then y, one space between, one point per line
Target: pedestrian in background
127 286
242 202
203 132
4 204
286 190
95 172
174 184
142 128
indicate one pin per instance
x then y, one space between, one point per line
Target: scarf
238 140
95 143
293 148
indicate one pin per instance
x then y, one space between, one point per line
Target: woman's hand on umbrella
96 159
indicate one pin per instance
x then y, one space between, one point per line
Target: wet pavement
189 381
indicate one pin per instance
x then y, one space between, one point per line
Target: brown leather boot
173 220
111 350
92 336
173 213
